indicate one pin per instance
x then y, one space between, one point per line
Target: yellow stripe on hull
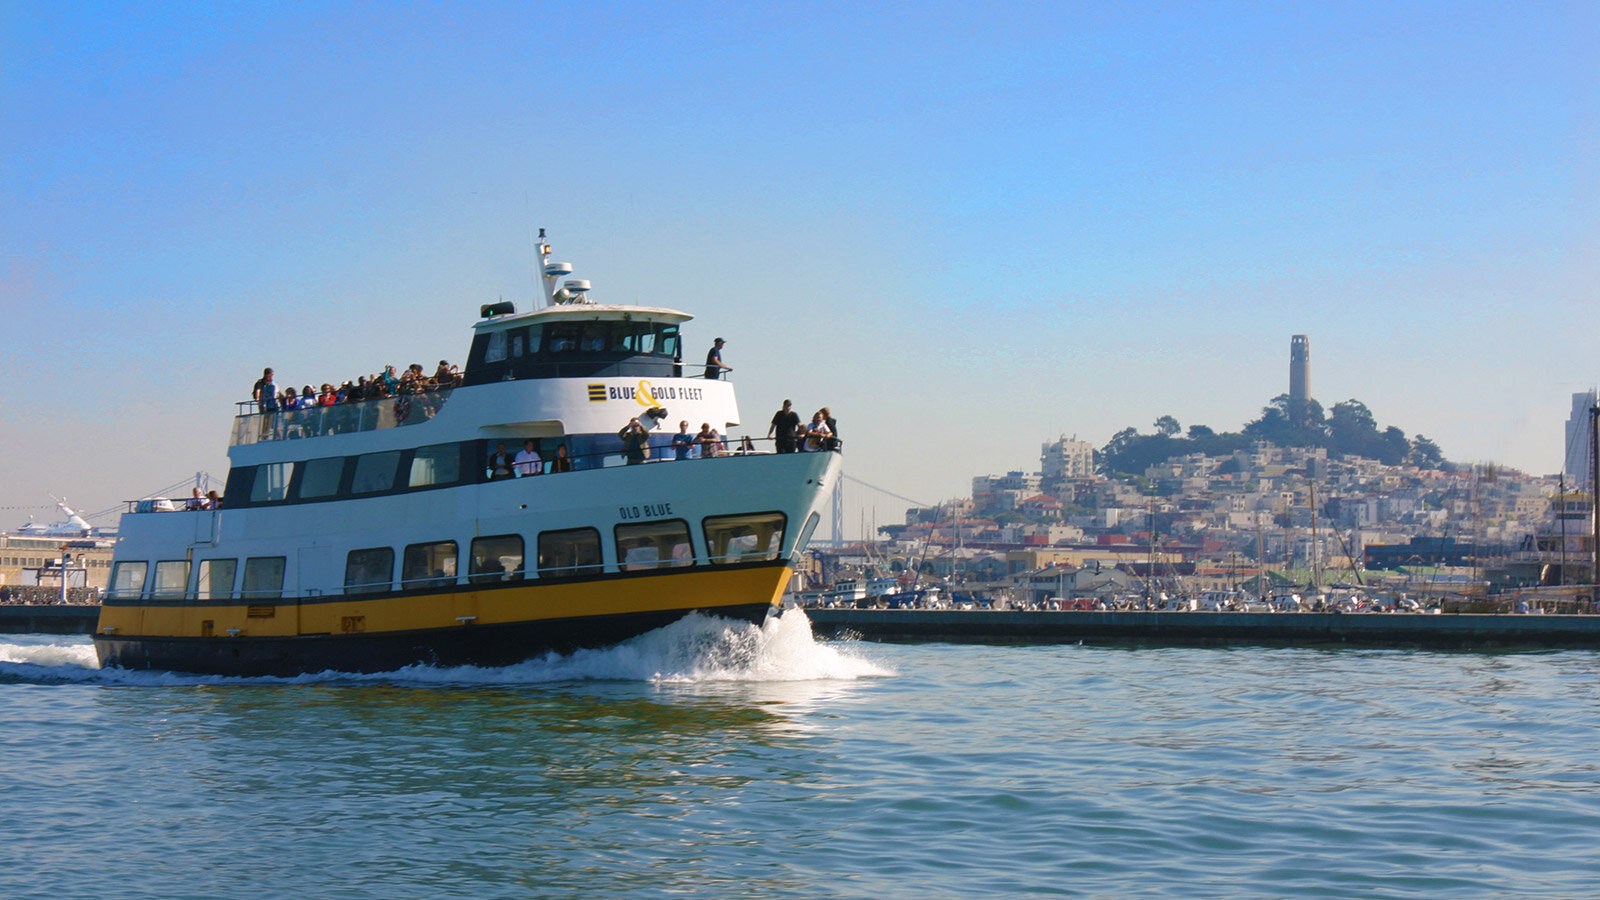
529 601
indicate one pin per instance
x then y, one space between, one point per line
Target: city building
1067 458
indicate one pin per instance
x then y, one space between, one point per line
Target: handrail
252 425
581 462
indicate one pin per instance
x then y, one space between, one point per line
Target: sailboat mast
1261 561
1316 554
1594 508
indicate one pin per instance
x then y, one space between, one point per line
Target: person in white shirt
528 461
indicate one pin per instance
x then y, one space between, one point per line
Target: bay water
716 760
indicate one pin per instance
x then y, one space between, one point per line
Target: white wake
695 649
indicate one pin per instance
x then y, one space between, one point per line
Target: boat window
667 341
127 580
575 551
320 477
534 334
519 342
272 482
653 545
370 570
263 578
429 565
805 533
495 559
375 472
171 578
495 351
562 338
744 538
436 464
215 579
593 338
625 335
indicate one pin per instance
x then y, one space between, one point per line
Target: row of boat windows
632 338
492 559
393 471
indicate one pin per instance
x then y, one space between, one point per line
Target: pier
43 619
1447 631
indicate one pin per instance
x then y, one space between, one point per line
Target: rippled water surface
715 761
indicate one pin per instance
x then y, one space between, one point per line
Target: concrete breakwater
48 619
1209 628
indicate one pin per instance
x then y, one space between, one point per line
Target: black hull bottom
475 645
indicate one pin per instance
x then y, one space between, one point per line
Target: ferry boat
368 536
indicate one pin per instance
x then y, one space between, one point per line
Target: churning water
717 760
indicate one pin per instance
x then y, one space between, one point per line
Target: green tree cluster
1348 429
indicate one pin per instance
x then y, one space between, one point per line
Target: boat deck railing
724 448
252 425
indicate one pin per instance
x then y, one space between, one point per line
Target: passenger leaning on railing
528 461
709 441
500 462
683 441
819 434
562 462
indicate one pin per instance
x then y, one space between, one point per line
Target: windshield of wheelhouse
575 350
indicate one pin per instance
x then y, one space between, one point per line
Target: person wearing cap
714 366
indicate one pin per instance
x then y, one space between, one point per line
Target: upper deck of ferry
588 342
613 349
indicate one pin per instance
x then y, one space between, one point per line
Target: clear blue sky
967 228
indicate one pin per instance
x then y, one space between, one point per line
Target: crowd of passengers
707 443
413 380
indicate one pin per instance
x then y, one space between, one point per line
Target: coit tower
1300 369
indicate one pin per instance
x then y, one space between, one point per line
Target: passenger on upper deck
714 364
784 423
265 394
819 434
562 462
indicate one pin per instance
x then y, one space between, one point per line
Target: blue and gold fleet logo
645 394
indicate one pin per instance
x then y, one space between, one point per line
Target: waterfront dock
48 619
1446 631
